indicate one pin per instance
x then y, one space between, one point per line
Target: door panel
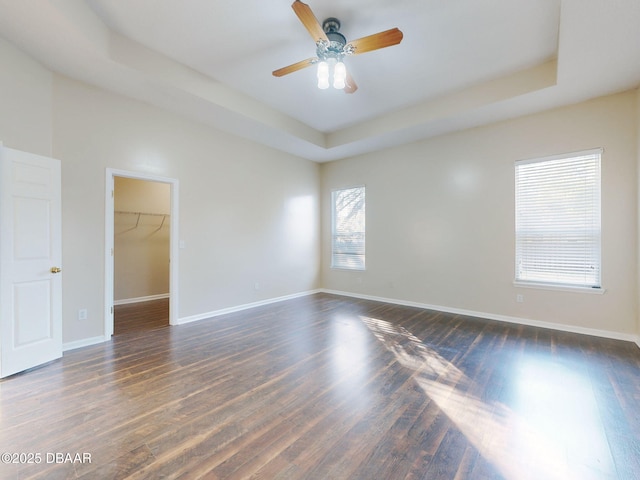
32 319
31 239
30 246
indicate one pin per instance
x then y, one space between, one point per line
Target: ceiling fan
332 47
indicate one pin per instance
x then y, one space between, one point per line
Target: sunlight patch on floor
520 442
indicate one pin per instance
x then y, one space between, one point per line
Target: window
558 220
347 228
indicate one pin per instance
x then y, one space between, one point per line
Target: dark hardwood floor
328 387
138 317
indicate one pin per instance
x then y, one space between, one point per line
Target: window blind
558 220
348 228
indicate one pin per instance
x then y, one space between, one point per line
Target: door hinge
112 310
112 252
112 194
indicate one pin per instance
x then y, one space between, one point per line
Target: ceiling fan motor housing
337 41
331 24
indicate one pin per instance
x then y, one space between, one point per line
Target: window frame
337 265
558 284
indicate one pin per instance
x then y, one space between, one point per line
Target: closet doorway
141 221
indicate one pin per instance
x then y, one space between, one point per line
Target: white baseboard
85 342
502 318
246 306
490 316
148 298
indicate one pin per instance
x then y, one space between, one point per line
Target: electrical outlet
256 286
82 314
519 298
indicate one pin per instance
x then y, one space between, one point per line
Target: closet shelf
142 213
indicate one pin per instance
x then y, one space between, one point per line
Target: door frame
111 173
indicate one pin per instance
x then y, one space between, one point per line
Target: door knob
56 269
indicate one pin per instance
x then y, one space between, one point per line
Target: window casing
558 230
348 228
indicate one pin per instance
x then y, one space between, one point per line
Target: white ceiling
461 63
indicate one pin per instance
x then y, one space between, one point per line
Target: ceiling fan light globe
323 70
323 75
339 76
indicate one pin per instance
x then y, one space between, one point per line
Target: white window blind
348 228
558 220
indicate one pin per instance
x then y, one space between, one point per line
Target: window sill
348 269
559 288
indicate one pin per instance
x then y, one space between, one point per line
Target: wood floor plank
326 386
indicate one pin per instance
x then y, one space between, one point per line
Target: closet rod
143 213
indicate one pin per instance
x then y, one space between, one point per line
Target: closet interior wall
141 240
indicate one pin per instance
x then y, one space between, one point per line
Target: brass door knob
56 269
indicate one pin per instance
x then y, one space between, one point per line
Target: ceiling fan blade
350 85
309 20
295 67
376 41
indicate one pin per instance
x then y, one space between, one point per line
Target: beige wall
25 102
249 214
135 195
638 195
440 217
141 241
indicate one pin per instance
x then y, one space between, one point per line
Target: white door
30 261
